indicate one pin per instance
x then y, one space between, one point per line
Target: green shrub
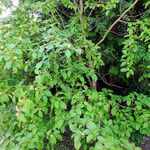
55 75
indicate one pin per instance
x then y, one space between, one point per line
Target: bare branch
121 16
92 10
109 84
125 22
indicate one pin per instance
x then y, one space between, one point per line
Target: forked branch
121 16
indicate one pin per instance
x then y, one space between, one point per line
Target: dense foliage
61 68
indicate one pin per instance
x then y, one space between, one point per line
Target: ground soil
67 143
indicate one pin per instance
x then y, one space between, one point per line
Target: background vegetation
77 66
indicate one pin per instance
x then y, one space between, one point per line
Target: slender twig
121 16
92 83
117 33
81 15
74 1
122 106
92 10
122 21
109 83
134 16
64 13
61 20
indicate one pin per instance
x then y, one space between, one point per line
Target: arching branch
121 16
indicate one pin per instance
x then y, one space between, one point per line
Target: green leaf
39 65
52 139
1 57
78 110
91 126
22 118
64 75
57 104
63 105
128 102
131 72
137 127
106 107
123 70
79 51
77 144
145 125
89 108
48 93
127 74
77 138
72 127
8 64
29 105
68 53
73 114
11 46
123 64
34 55
40 114
4 98
59 123
89 138
113 111
86 131
94 77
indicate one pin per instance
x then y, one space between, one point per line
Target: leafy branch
121 16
